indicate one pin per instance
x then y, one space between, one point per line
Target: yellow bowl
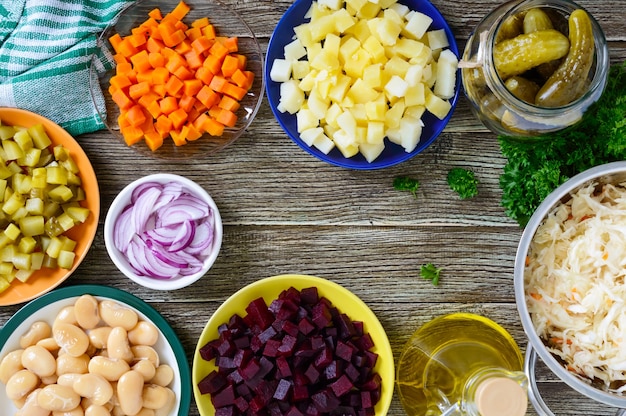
45 279
269 289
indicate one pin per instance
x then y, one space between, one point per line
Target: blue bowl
393 153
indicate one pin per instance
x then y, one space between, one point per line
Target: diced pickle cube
54 248
21 261
79 194
4 283
49 262
6 132
4 240
65 221
12 231
60 193
73 179
5 172
14 167
56 175
79 214
31 157
23 140
34 206
6 268
27 244
70 165
32 225
36 260
39 135
66 259
40 177
23 275
12 149
13 203
8 253
51 209
52 227
19 214
61 153
67 243
22 184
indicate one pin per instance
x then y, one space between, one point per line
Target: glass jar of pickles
534 66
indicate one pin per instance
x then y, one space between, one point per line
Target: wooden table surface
286 212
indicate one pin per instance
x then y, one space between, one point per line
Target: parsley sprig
430 272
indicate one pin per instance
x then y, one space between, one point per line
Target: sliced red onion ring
165 232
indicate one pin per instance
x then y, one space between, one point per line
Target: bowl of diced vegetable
360 86
143 356
51 207
163 231
292 343
177 79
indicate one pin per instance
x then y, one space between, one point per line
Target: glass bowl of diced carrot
179 78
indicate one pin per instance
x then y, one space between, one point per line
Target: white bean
48 343
66 316
68 379
129 392
70 338
86 311
98 336
171 402
154 396
145 368
77 411
57 398
109 368
145 412
10 364
67 363
94 410
21 384
118 346
39 360
144 333
163 376
145 352
31 407
37 331
115 314
94 387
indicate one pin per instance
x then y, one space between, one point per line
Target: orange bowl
46 279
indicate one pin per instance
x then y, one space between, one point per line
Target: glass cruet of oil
462 364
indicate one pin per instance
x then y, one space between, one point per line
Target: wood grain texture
286 212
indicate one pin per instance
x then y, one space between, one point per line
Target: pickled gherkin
40 190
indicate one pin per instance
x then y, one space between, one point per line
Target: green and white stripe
45 53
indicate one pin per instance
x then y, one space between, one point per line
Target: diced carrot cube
193 33
213 63
230 64
232 43
131 134
204 75
163 125
200 23
160 75
154 45
173 85
159 89
183 73
229 103
208 96
177 138
140 61
155 14
135 91
218 83
126 48
186 102
183 47
156 59
135 115
148 98
226 117
154 109
122 100
115 41
174 61
173 39
153 140
194 59
218 50
145 76
168 104
120 81
194 133
192 86
180 11
234 91
214 127
209 31
202 44
138 39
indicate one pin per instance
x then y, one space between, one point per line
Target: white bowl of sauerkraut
570 284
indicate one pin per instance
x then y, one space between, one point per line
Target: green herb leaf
430 272
404 183
534 169
463 182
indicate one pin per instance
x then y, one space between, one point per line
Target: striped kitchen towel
46 48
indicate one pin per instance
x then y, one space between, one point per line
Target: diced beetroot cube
359 360
236 322
331 342
303 313
226 348
256 345
333 370
321 315
299 379
365 342
352 372
288 345
317 342
358 326
291 328
241 404
345 326
282 390
225 411
311 410
266 367
267 334
342 386
309 295
271 348
259 313
372 357
209 350
372 383
312 374
265 389
242 357
244 391
242 342
324 358
225 363
256 404
300 393
294 412
366 399
251 369
344 351
212 383
221 329
305 326
325 401
354 399
282 365
224 397
234 377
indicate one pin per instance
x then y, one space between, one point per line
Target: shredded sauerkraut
575 281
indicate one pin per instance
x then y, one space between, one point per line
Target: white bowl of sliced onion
163 231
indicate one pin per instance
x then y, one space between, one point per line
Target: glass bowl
393 153
227 23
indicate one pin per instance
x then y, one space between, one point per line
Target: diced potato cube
339 90
331 4
343 20
375 132
376 110
348 48
347 122
306 119
300 69
324 144
345 143
415 95
372 76
361 92
294 50
304 35
356 64
371 151
394 114
291 97
281 70
396 87
309 136
413 75
437 39
320 27
417 25
375 49
355 5
360 31
331 115
415 111
437 106
410 132
446 75
325 61
397 66
385 29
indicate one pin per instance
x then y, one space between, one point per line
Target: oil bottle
462 364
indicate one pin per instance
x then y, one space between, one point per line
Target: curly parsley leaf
463 182
534 169
405 183
430 272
